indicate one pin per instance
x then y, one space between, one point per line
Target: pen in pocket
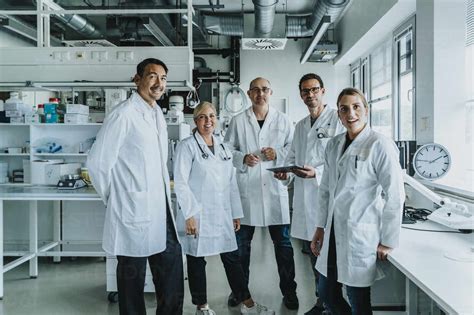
356 158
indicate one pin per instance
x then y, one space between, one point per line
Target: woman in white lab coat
360 204
208 196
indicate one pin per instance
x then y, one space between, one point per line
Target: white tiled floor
78 287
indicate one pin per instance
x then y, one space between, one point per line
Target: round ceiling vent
264 43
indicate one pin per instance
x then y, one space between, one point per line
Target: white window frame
400 31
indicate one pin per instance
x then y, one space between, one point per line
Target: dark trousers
234 272
283 253
330 290
167 270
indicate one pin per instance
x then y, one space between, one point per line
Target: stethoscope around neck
322 132
205 155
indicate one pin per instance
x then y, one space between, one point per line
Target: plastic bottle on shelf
40 110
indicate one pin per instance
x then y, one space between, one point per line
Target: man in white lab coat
360 204
127 165
307 149
260 138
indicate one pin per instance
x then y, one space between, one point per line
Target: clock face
431 161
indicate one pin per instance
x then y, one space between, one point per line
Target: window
380 100
355 74
404 81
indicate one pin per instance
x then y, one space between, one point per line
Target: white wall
284 71
442 115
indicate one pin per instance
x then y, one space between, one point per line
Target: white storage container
77 109
38 170
3 172
17 120
26 171
53 172
13 106
13 113
76 119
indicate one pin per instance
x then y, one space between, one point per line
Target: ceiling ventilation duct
305 26
227 25
266 31
74 21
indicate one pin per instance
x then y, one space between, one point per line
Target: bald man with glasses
260 138
307 149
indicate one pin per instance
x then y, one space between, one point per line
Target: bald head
259 92
257 80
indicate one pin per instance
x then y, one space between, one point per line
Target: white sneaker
256 309
205 311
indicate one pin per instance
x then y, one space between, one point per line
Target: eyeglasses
312 90
264 90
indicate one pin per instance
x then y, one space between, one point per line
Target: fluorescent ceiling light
320 30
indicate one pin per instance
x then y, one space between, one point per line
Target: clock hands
439 157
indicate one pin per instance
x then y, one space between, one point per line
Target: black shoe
232 300
316 310
291 301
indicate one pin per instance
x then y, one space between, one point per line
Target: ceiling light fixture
320 30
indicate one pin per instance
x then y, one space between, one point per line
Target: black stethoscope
205 156
322 133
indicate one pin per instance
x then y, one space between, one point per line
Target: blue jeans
283 253
330 291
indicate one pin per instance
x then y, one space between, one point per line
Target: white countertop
33 192
436 262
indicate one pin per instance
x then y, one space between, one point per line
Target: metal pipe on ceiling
305 26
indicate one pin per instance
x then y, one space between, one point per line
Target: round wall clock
431 161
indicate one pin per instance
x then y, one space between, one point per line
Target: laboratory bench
438 263
33 194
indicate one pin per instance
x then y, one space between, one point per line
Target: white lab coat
127 166
264 198
351 191
308 149
207 190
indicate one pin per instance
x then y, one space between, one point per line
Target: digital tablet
285 169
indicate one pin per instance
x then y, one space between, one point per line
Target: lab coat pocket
357 172
363 241
136 211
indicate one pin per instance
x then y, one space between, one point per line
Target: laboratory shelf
59 154
14 154
15 124
66 125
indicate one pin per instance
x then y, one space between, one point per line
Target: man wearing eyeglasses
307 149
260 138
